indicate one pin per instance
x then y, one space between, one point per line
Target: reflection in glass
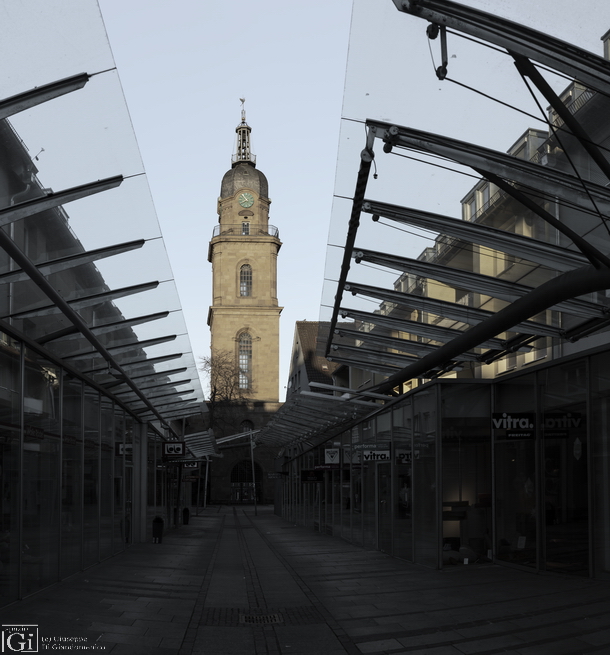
515 471
10 428
72 471
565 456
425 503
41 494
106 478
466 474
91 489
403 482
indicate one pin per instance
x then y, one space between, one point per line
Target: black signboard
312 476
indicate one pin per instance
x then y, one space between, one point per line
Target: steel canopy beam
459 279
591 70
55 199
87 301
555 257
574 283
73 333
40 94
64 263
409 346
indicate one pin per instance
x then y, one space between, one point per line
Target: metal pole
198 491
253 475
205 488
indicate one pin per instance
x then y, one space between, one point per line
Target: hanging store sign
173 449
331 456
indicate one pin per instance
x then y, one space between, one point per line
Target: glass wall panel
600 433
346 486
119 532
91 478
129 437
107 478
514 433
10 445
466 473
41 474
425 500
357 526
368 447
403 490
72 477
565 478
385 493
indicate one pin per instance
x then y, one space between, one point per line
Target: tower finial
243 154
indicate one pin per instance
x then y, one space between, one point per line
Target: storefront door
565 503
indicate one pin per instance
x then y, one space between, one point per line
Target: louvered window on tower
245 280
245 361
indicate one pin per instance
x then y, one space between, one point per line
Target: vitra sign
173 449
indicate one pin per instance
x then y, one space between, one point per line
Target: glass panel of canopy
391 79
103 254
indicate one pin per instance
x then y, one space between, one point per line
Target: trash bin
185 516
157 530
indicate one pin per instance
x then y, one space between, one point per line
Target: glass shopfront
514 471
67 474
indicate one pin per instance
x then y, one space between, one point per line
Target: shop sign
312 476
121 449
375 455
517 425
326 467
173 449
403 456
275 475
331 456
559 424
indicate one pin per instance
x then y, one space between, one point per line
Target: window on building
245 280
245 361
245 228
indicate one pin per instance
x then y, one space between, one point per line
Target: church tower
244 318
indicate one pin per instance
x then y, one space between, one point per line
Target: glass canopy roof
424 186
84 274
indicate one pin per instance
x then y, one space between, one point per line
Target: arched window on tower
245 361
245 280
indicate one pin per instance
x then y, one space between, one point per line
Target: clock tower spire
244 152
244 318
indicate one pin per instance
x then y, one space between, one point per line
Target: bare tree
226 397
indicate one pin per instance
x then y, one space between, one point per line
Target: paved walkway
231 583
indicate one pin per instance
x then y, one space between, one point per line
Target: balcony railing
245 230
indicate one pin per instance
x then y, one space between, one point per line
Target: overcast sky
185 64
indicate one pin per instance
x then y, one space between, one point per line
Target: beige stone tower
244 318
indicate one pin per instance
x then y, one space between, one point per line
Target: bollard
185 516
157 530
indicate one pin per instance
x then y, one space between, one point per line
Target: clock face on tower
246 199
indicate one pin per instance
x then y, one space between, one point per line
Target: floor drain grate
260 619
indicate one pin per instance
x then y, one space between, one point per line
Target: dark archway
243 486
